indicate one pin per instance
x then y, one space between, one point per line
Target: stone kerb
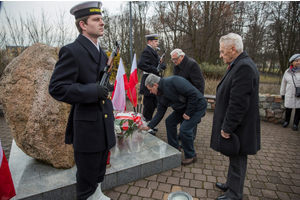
271 108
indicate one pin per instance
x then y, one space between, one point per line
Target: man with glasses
148 63
189 69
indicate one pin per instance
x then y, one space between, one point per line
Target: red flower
125 126
137 119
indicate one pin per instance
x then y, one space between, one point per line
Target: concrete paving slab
134 158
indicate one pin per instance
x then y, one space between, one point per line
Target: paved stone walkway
274 173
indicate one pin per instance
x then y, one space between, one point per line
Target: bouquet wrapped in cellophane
127 122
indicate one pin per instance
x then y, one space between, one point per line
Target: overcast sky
24 7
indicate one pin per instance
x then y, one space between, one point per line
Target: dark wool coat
237 105
73 81
181 95
148 63
190 70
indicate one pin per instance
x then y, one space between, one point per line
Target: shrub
213 71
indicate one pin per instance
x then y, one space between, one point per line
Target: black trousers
91 168
236 176
288 113
150 103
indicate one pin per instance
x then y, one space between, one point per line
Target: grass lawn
268 85
270 79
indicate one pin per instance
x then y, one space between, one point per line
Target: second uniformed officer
148 63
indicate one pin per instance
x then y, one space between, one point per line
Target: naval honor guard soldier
148 62
90 127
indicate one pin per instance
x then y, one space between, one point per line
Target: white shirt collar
150 46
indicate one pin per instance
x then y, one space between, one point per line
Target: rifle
108 69
109 65
159 64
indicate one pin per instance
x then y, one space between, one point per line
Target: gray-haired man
236 111
189 106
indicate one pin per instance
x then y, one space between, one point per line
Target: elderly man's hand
225 135
146 128
186 117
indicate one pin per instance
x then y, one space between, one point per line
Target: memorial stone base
132 159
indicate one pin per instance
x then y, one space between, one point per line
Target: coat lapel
99 57
102 62
242 55
87 44
153 51
224 77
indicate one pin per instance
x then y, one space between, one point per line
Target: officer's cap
152 37
86 8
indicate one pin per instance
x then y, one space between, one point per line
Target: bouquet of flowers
128 122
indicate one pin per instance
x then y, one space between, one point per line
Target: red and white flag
121 85
133 80
7 188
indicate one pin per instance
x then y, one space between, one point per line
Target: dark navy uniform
148 63
89 129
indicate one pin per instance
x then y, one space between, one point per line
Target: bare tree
40 31
65 31
284 30
255 37
117 27
270 29
14 29
195 26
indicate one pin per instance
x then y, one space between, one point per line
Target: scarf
294 69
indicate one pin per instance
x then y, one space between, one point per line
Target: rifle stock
109 66
159 64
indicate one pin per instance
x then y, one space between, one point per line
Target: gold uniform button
103 102
105 116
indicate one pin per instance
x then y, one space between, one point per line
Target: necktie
228 67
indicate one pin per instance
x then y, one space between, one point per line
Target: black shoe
155 129
223 197
295 127
221 186
152 132
285 124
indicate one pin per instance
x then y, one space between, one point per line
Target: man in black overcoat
237 111
148 62
189 69
90 126
188 105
